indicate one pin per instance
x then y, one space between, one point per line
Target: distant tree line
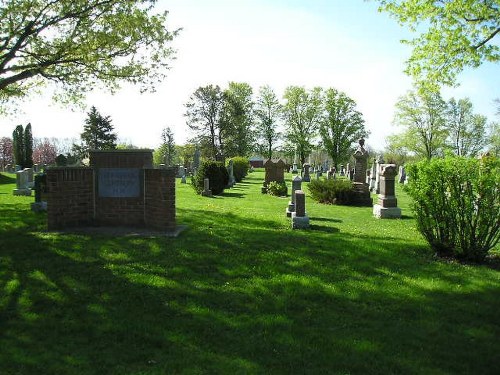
232 122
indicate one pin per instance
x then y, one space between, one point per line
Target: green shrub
240 167
456 202
217 174
278 189
332 191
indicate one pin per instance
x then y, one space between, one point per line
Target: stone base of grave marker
361 195
26 192
300 222
386 212
290 209
39 206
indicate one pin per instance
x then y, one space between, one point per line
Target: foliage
341 126
28 147
423 117
338 192
467 131
80 44
268 113
457 204
302 113
44 152
240 167
494 139
166 153
22 142
217 175
204 113
238 119
459 34
97 134
185 153
6 151
278 189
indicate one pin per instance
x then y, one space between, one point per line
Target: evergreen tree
97 134
28 147
18 143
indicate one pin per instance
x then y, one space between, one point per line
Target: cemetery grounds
240 292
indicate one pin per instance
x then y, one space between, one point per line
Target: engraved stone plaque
119 182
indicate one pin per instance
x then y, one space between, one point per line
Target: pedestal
386 212
300 222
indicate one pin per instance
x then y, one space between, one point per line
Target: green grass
239 292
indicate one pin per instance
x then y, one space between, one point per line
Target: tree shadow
326 219
236 295
323 228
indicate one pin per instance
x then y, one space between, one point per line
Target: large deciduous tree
238 119
44 152
341 126
423 117
165 154
268 114
204 116
6 151
81 43
97 134
458 34
467 131
302 113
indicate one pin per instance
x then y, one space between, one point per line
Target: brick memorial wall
120 188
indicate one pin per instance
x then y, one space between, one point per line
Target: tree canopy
457 34
341 126
268 113
81 44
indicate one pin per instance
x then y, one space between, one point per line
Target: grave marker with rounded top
300 220
296 185
387 202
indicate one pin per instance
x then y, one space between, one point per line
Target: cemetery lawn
239 292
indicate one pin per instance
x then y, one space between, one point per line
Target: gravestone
230 170
296 185
387 206
348 171
300 220
342 170
120 188
368 177
61 160
8 168
36 168
305 169
373 175
196 160
40 185
402 174
31 177
275 171
18 168
183 178
294 168
380 161
361 196
206 188
22 184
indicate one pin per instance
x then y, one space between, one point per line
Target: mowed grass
239 292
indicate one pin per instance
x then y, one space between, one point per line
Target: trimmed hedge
456 201
332 191
240 167
217 174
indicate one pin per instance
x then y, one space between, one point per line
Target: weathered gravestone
361 195
380 161
296 185
402 174
22 183
306 173
275 171
40 188
119 189
387 206
373 175
206 188
230 170
300 220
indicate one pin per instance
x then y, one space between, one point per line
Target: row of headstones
385 208
37 168
373 175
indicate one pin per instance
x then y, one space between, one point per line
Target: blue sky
346 44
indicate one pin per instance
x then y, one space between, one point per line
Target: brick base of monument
361 196
74 200
386 212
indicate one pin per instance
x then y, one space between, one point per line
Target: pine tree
18 143
97 134
28 147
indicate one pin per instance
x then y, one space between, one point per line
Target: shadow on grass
323 228
326 219
237 296
4 179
